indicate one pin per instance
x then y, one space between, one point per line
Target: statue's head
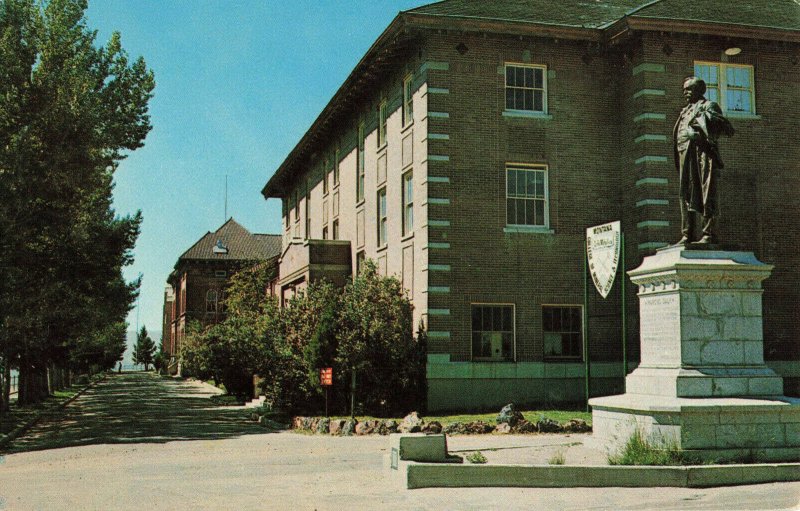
693 89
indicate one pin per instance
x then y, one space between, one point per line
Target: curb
22 428
430 475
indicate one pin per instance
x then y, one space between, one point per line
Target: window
526 195
296 205
325 173
307 212
285 204
336 167
211 300
335 230
325 232
526 88
730 85
382 123
562 328
223 303
360 176
382 217
492 332
408 101
361 257
408 203
220 273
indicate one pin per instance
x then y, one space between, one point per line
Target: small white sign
602 250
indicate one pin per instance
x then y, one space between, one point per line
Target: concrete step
255 403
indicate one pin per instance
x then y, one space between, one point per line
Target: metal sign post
326 380
603 246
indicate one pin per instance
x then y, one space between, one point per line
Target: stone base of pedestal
757 380
716 429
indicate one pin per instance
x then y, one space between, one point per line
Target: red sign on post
326 376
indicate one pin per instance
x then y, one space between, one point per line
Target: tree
69 112
237 348
144 349
376 344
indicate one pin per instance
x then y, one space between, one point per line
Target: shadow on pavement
138 408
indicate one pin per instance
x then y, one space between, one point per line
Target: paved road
142 442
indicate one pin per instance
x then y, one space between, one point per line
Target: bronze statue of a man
698 161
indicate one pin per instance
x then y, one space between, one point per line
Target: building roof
569 13
596 20
780 14
784 14
232 242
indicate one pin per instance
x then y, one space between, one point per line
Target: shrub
476 457
640 451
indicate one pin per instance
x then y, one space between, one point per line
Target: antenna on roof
226 198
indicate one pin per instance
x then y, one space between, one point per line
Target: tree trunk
32 384
5 385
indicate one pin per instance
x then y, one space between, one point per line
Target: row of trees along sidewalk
363 331
69 112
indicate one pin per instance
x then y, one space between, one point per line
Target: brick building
196 287
473 144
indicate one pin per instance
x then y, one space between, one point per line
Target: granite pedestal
702 384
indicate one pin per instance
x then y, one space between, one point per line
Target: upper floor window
296 205
325 232
408 101
526 195
335 230
325 172
336 167
493 332
730 85
211 300
307 212
382 222
360 169
408 203
562 328
382 114
526 88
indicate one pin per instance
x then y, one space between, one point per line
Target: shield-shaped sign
602 251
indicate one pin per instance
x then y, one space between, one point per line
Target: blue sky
238 82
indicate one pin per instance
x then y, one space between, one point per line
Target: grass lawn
19 415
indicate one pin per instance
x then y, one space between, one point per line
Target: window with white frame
325 232
526 195
730 85
562 329
360 176
335 230
408 203
526 88
382 222
382 114
408 101
493 332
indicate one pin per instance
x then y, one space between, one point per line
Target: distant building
474 143
196 287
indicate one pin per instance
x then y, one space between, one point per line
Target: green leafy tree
376 344
144 349
69 113
237 348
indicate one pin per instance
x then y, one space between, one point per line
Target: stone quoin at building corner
473 144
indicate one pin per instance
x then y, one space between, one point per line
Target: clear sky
238 83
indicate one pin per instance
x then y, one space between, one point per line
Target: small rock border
509 421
